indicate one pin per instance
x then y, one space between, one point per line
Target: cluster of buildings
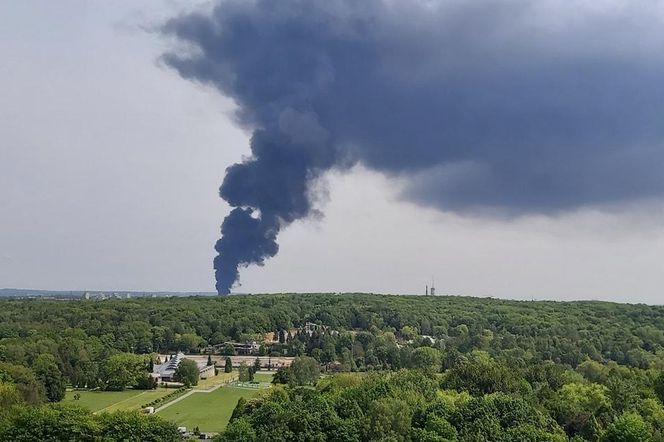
252 347
102 295
165 372
240 348
308 328
128 295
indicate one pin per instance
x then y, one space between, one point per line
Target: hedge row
169 397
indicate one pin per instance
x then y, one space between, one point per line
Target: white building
165 372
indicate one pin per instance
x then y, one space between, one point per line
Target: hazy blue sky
110 165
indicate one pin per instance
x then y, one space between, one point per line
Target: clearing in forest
208 411
115 400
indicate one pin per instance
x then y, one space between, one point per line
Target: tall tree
28 386
304 371
427 358
628 427
49 374
8 397
122 370
229 350
659 386
187 372
246 374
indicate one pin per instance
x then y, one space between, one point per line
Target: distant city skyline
110 165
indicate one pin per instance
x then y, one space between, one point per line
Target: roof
168 369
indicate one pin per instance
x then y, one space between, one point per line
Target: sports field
208 411
115 400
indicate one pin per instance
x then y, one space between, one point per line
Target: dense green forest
420 368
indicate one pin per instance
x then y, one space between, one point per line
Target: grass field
115 400
205 384
262 376
208 411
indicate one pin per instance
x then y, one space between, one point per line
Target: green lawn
208 411
115 400
262 376
206 384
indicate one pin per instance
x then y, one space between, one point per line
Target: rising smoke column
267 191
515 107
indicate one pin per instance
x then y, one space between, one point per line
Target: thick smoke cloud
527 106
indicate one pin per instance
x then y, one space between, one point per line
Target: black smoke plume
267 191
521 106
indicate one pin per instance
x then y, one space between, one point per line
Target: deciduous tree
187 372
49 374
122 370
